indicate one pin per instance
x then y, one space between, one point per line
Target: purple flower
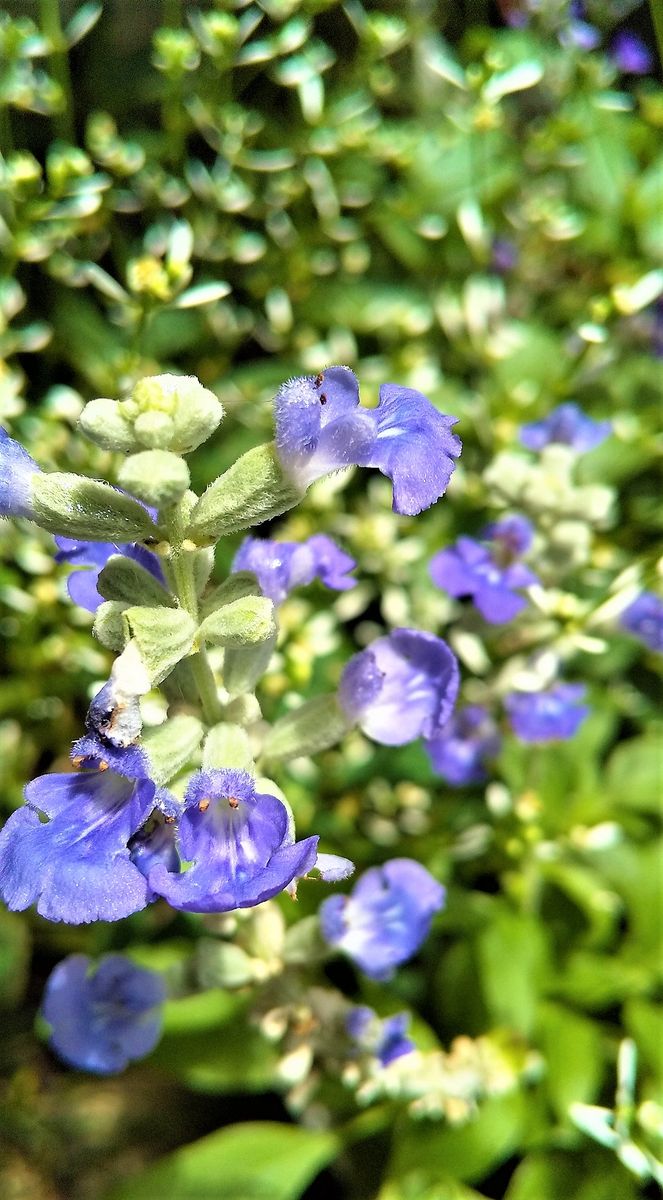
320 427
630 54
552 716
414 447
513 534
460 752
282 566
386 917
488 575
386 1040
92 558
568 425
644 619
103 1016
67 849
402 687
240 844
16 471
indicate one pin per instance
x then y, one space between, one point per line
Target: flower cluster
186 814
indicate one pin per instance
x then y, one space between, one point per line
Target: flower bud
155 476
314 726
87 509
126 580
244 622
164 412
103 422
163 636
253 490
171 746
228 745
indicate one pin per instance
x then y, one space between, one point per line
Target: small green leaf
202 293
82 22
163 636
171 746
126 580
316 725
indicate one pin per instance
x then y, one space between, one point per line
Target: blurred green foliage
244 192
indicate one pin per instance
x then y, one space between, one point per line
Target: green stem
51 27
206 684
181 570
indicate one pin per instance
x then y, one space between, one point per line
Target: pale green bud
103 423
314 726
244 622
253 490
109 626
163 636
155 476
228 745
191 410
87 509
126 580
171 746
154 429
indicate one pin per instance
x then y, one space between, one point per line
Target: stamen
323 399
318 380
204 805
78 760
103 765
233 801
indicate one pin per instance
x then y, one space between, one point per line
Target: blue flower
89 559
460 751
67 849
282 566
566 425
488 574
386 1040
386 917
402 687
240 844
320 427
414 447
551 716
16 471
104 1016
630 54
644 619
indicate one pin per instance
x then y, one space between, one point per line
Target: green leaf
467 1152
514 960
316 725
126 580
87 509
254 489
171 746
244 622
574 1053
202 293
82 22
635 774
163 636
259 1160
